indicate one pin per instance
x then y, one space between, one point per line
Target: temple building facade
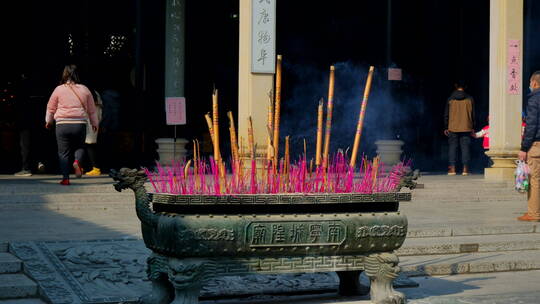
138 54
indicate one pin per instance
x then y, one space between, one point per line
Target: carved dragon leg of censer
187 277
162 289
382 269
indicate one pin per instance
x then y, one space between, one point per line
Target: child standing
484 133
91 137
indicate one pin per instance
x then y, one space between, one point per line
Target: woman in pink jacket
71 105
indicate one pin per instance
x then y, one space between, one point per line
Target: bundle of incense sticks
332 174
200 176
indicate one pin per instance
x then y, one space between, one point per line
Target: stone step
463 181
467 196
449 200
463 230
9 263
469 244
3 246
480 262
66 198
23 301
43 189
458 180
69 206
468 187
14 286
485 197
75 187
464 184
465 188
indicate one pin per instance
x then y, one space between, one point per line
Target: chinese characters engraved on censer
308 233
206 234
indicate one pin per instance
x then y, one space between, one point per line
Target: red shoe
528 218
65 182
78 170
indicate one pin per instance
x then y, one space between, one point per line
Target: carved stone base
382 269
503 167
499 174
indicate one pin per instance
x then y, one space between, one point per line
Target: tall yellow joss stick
195 153
361 116
210 128
242 146
196 164
251 142
287 164
277 110
198 150
270 127
375 169
320 113
234 143
329 109
242 154
215 120
186 170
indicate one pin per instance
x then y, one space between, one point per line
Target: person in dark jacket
530 149
459 123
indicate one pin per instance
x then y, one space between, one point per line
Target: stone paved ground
38 209
499 288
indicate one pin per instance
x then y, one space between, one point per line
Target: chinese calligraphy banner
514 67
175 110
263 36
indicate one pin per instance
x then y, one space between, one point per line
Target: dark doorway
435 43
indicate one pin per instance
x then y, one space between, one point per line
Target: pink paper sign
175 110
394 74
514 67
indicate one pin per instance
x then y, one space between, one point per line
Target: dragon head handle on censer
134 179
128 178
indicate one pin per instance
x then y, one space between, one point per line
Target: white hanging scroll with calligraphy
263 36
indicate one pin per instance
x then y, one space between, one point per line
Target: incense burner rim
278 198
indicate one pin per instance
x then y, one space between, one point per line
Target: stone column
174 72
506 25
175 48
253 88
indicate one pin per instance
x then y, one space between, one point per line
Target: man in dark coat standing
530 149
459 123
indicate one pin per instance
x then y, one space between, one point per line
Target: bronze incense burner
196 237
